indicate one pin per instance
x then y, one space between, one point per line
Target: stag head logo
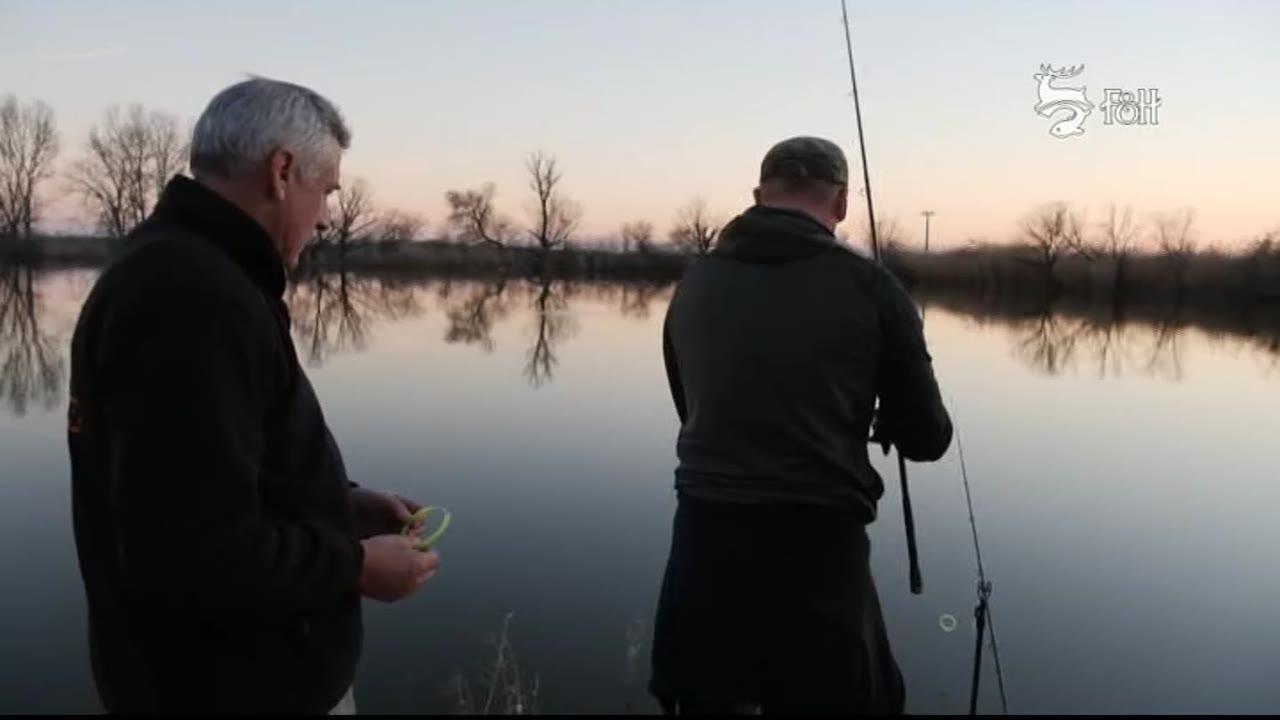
1055 99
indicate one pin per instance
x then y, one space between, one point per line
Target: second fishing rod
908 517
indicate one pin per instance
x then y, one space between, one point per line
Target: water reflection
340 312
638 298
552 325
1110 340
332 312
32 366
473 312
596 344
1054 343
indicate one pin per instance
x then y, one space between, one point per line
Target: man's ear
842 204
756 194
280 166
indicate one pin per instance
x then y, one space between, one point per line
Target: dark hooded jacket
777 346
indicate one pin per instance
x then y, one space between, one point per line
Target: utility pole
927 214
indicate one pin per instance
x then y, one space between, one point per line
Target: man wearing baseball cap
778 345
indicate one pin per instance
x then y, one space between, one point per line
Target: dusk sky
648 103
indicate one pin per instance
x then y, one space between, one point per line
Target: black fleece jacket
212 511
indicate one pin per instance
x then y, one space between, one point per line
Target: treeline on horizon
1058 252
131 153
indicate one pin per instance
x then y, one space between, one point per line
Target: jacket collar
775 235
213 217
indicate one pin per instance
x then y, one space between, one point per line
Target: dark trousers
771 608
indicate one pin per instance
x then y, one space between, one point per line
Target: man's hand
393 569
379 513
878 434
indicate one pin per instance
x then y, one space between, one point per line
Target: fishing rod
982 611
908 517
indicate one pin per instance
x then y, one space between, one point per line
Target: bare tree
555 217
637 237
471 212
694 232
1077 237
1177 244
1117 239
28 145
168 149
352 218
888 232
1262 254
399 226
130 158
1052 232
1118 233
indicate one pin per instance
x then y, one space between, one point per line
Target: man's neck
235 194
825 220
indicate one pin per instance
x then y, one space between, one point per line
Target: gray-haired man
223 550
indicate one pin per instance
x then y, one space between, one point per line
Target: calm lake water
1123 478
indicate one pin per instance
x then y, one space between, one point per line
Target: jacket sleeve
185 413
912 415
673 371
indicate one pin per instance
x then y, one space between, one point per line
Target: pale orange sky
648 104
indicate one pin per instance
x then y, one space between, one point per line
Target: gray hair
248 121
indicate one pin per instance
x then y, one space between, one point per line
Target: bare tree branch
130 158
1119 233
399 226
471 212
637 237
1177 243
1077 238
352 218
1053 231
888 231
555 217
694 232
28 145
